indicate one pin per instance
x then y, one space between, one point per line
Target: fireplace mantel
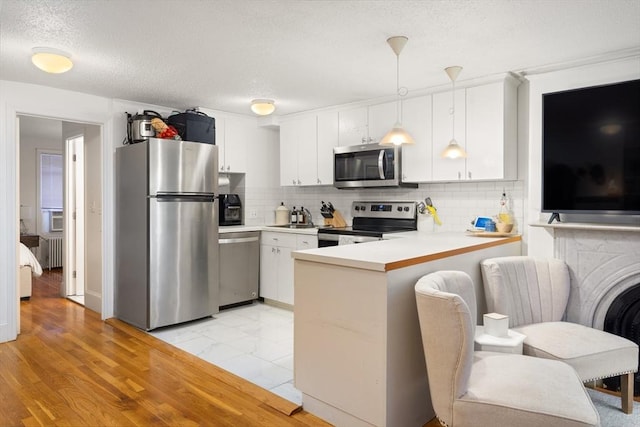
603 260
587 226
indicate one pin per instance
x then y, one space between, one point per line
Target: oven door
326 239
367 165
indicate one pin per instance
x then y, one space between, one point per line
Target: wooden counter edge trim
422 259
265 396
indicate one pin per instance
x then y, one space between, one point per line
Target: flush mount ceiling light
263 107
51 60
397 135
453 150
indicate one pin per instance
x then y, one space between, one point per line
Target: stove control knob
399 208
357 208
406 208
362 208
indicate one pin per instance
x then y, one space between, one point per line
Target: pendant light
397 135
453 150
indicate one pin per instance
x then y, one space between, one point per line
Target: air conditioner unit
56 221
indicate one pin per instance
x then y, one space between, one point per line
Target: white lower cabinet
276 264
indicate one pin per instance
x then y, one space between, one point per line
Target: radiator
55 252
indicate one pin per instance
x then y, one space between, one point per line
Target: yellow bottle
504 215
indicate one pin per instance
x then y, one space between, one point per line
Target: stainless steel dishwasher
239 267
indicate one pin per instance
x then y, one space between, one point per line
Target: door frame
21 99
74 207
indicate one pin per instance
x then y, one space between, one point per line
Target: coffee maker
230 210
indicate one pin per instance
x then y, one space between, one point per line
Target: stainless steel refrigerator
166 232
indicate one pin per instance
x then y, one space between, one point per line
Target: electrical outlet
253 214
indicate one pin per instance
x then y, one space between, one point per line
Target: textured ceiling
221 54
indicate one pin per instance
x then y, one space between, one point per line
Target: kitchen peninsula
358 357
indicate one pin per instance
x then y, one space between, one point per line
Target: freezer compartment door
183 261
182 167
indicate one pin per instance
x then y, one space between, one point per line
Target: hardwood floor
69 368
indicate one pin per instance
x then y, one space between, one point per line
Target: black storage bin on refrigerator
194 126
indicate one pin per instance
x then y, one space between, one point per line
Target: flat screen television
591 150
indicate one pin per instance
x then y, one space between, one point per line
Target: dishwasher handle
238 240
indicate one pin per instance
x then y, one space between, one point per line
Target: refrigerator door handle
184 198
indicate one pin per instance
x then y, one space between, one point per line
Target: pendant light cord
453 110
398 112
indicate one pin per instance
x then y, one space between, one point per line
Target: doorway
81 234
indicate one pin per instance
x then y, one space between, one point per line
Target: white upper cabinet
492 131
382 117
327 139
353 126
232 136
306 149
416 158
486 127
443 115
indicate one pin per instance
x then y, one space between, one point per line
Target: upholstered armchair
534 294
478 388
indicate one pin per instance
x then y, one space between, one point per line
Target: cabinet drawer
306 241
279 239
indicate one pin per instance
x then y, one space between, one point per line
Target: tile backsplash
457 203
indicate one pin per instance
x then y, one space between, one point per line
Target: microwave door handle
381 164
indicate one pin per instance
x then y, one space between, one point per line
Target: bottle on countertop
294 216
282 214
503 215
302 216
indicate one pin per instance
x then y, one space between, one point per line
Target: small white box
496 325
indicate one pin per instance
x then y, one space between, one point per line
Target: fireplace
604 263
623 318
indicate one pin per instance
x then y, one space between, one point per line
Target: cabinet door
285 275
220 129
269 272
288 153
417 158
448 169
328 138
306 139
353 126
485 131
238 132
382 117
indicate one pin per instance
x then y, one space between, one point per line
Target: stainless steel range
370 221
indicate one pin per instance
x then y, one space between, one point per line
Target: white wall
540 241
51 141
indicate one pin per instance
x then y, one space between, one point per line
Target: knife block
336 222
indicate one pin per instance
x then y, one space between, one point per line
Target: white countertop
415 248
240 228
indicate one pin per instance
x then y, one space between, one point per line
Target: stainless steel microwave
368 166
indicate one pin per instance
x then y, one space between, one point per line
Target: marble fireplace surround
604 261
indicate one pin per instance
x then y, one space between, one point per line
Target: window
51 181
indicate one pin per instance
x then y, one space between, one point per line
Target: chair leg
626 387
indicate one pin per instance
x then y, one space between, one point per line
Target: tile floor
253 341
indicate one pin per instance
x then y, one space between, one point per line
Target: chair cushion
591 352
514 390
